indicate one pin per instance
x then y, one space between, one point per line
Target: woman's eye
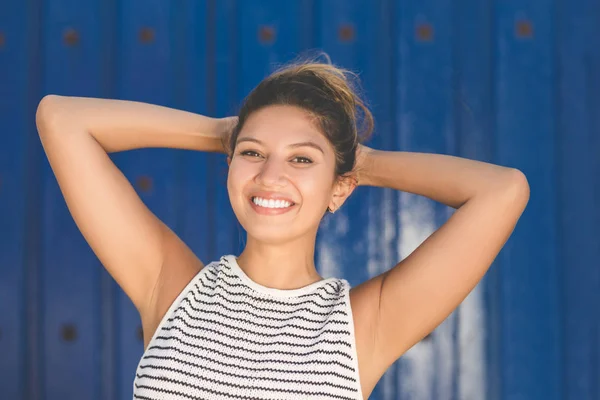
303 160
249 153
254 154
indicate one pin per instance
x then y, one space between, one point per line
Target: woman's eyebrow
295 145
307 144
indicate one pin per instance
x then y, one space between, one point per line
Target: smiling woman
264 324
280 154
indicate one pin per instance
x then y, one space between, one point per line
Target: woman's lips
270 211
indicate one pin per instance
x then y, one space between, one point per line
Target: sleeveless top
228 337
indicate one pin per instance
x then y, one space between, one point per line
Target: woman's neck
280 266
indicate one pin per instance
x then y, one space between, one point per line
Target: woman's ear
342 189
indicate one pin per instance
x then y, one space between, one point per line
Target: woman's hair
327 93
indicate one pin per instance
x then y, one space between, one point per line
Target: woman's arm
447 179
132 244
119 125
417 294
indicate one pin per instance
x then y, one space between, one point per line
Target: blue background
513 82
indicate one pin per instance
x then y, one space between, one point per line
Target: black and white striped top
227 337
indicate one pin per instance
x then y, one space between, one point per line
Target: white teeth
271 203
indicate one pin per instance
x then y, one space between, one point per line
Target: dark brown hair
328 93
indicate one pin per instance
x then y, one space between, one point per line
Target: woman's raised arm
129 240
417 294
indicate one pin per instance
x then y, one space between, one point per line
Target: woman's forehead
281 125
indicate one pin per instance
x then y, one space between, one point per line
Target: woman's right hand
227 125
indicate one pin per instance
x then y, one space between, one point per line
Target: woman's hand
363 161
224 130
228 124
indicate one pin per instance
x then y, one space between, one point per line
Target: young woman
264 324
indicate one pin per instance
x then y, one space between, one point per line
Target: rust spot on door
346 33
68 332
524 29
144 183
71 37
424 32
266 34
147 35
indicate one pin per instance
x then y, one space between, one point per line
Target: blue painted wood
471 79
191 83
579 225
70 273
525 139
225 232
268 35
424 104
109 367
14 115
146 73
478 320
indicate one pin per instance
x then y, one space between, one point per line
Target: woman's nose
271 173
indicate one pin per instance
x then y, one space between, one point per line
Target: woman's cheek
315 190
236 179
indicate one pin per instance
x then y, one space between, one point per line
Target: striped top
227 337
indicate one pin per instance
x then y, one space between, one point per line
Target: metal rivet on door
144 183
71 37
424 32
266 34
524 29
147 35
346 33
68 332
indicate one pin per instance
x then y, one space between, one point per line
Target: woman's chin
273 234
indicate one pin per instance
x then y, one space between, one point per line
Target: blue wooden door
511 82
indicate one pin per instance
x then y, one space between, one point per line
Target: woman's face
281 175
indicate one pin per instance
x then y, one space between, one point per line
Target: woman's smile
270 205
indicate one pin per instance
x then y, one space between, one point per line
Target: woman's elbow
46 113
518 187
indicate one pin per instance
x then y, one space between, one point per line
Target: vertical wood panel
426 124
579 166
226 234
70 271
190 60
109 367
14 112
145 74
473 115
269 35
525 139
